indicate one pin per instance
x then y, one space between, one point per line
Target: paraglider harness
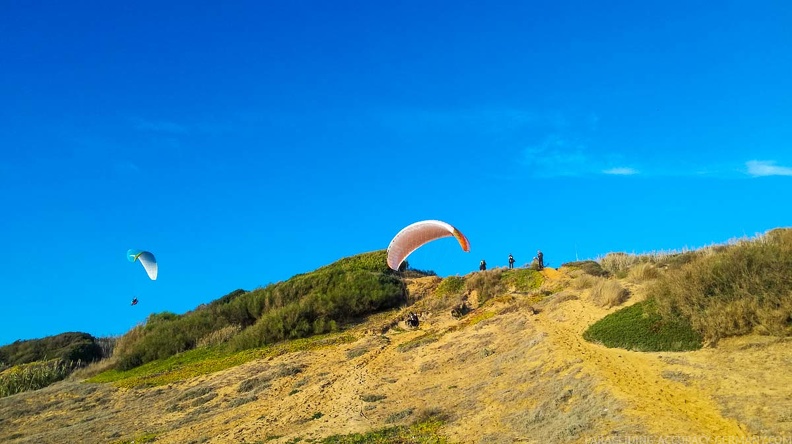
134 301
412 320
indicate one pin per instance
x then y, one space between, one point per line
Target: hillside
514 369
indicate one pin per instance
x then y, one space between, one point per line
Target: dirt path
665 407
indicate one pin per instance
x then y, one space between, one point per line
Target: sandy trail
666 407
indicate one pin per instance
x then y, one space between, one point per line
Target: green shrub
219 336
589 267
424 430
72 346
641 328
317 302
741 288
307 304
34 375
451 286
488 284
522 279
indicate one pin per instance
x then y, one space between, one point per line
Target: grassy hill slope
516 368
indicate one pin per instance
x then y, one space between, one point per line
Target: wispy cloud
760 168
621 171
556 156
564 156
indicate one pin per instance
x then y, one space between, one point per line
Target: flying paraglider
134 301
413 236
146 259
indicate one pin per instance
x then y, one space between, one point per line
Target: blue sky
244 143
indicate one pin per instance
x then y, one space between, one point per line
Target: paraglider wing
146 259
415 235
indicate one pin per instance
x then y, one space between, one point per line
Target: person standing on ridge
483 265
540 259
511 261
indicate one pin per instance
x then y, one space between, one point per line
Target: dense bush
488 284
307 304
451 286
589 267
522 279
34 375
72 346
317 303
743 287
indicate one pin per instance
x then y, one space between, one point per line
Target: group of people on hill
539 261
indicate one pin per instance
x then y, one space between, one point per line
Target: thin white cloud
556 156
760 168
621 171
564 156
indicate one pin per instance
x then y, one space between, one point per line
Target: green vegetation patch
209 360
33 376
488 284
72 346
592 268
305 305
425 430
451 286
428 338
479 317
522 279
141 438
641 328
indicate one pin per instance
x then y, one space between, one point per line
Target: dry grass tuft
219 336
554 301
643 272
741 288
488 284
609 293
586 281
93 369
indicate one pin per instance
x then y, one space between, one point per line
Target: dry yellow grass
643 272
584 281
219 336
511 376
609 293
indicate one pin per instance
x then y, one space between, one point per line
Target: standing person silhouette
511 261
483 265
540 259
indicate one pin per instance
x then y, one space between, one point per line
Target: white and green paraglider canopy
146 259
